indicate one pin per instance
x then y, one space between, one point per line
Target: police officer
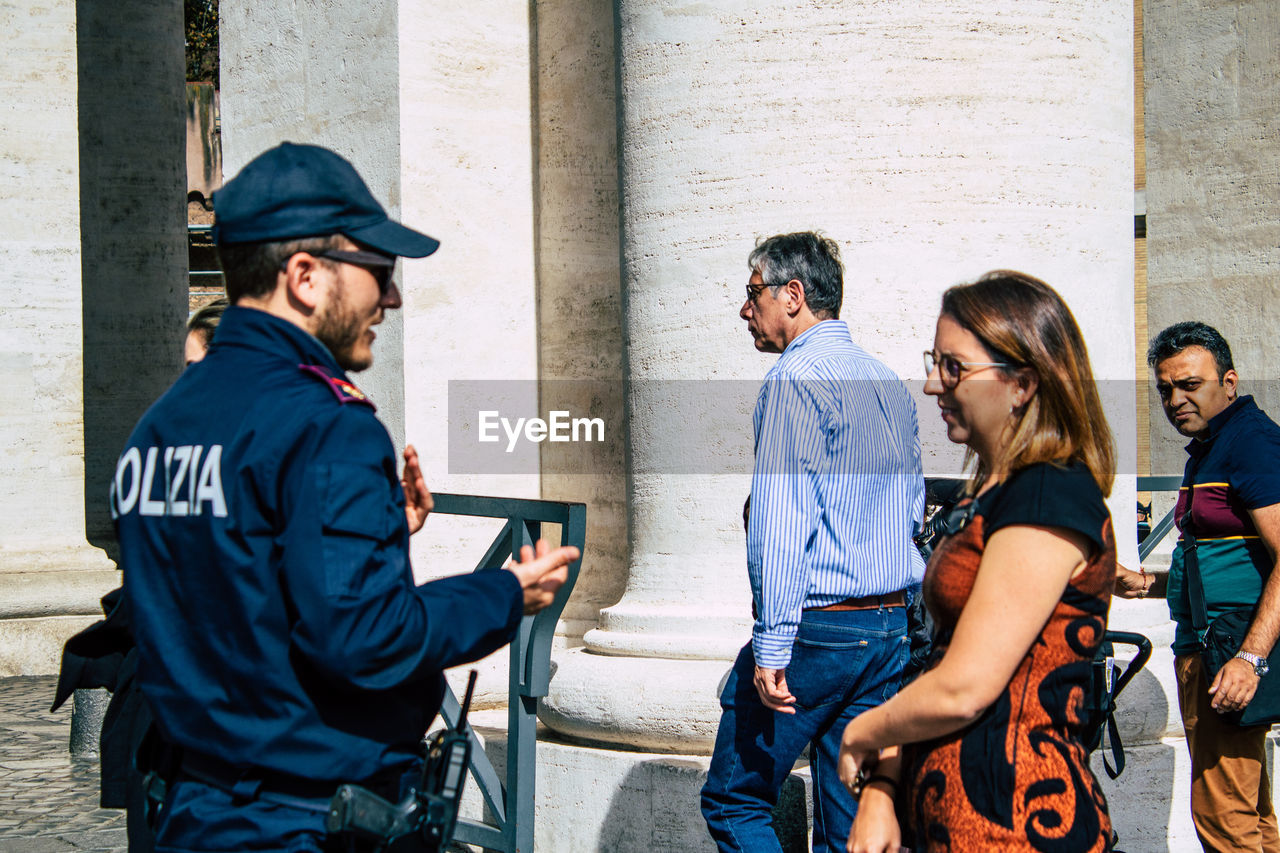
283 645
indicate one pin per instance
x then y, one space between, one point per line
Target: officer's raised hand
418 502
543 575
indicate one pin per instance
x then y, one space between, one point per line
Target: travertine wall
470 309
204 146
1213 172
40 248
466 130
42 470
93 242
324 73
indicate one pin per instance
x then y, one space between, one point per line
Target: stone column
46 565
933 144
580 356
133 225
471 308
324 73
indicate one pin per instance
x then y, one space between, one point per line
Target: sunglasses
380 266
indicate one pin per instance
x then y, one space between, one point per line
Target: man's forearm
1266 622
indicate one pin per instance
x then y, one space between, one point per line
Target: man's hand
771 684
1235 683
543 575
1130 584
417 499
1234 686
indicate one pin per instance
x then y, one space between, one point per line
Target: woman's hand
856 760
875 828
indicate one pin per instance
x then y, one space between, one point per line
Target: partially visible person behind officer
104 655
283 645
200 328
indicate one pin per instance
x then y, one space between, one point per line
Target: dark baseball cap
297 191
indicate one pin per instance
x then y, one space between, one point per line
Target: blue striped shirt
837 491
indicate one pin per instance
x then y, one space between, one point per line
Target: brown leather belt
867 602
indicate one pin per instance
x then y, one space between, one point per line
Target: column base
41 608
34 646
27 595
64 558
630 802
640 802
670 631
636 703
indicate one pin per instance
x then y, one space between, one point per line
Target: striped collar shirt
838 489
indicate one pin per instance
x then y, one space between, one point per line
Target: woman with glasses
984 749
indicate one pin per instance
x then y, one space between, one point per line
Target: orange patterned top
1018 778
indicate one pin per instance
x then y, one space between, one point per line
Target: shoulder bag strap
1191 561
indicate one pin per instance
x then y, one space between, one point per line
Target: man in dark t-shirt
1231 496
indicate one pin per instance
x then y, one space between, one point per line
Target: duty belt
249 783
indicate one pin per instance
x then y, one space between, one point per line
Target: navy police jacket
266 565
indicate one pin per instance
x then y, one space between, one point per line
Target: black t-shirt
1048 495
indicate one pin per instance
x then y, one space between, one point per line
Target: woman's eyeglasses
951 370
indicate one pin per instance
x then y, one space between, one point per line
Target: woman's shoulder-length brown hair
1023 321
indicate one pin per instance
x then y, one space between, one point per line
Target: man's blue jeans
842 663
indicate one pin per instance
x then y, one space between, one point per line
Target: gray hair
809 258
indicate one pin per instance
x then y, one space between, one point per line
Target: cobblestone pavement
48 800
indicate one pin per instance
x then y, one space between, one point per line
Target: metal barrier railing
1162 528
509 796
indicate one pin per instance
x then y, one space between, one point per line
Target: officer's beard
341 331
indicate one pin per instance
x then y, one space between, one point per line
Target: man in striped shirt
836 496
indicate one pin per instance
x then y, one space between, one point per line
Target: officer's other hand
1234 686
418 502
542 575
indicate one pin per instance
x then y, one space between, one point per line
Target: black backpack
1107 678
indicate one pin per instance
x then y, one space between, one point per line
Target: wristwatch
1258 662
